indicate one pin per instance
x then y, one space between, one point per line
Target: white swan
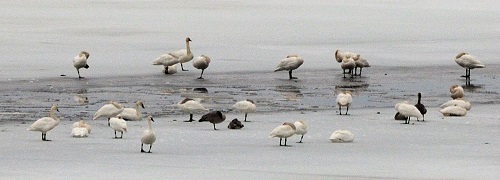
83 124
166 60
348 64
191 106
170 69
245 106
283 131
80 130
300 129
148 137
214 117
109 110
80 61
456 92
408 110
342 136
184 55
133 114
344 99
339 56
202 63
457 102
468 62
360 63
46 124
81 99
453 111
290 63
118 124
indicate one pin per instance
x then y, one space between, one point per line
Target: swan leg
280 142
190 118
290 75
340 110
142 150
77 70
344 73
356 71
360 69
115 135
351 72
150 145
246 117
201 76
301 137
183 67
285 141
121 136
347 110
166 70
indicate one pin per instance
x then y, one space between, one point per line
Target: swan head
249 100
84 53
461 54
140 103
151 118
54 108
188 39
291 125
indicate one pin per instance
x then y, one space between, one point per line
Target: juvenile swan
191 106
148 137
214 117
342 136
245 106
46 124
344 99
184 55
118 124
468 62
408 110
133 114
456 92
289 64
202 63
300 129
80 130
283 132
109 110
80 61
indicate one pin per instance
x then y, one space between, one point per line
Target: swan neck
150 125
52 114
187 47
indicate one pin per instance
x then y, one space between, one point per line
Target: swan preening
133 114
344 99
408 110
166 60
457 102
290 63
245 106
468 62
118 124
214 117
300 129
456 92
191 106
347 64
80 61
80 129
202 63
46 124
342 136
421 107
109 110
339 56
235 124
283 131
148 137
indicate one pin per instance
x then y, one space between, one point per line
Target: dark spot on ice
63 74
378 112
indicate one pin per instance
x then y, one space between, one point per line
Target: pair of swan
214 117
455 107
46 124
408 110
180 56
283 131
245 106
468 62
191 106
351 61
290 63
80 129
342 136
148 137
80 61
344 99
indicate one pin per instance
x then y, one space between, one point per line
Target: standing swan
46 124
184 55
344 99
118 124
214 117
283 131
109 110
290 63
148 137
468 62
191 106
80 61
421 107
408 110
133 114
202 63
245 106
349 64
300 129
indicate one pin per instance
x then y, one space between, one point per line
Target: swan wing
166 60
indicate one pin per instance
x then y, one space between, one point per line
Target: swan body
80 61
456 92
235 124
214 117
421 107
289 64
148 137
453 111
408 110
344 99
82 124
80 130
283 131
168 59
109 110
457 102
81 99
184 55
300 129
202 63
133 114
191 106
170 69
118 125
468 62
339 56
342 136
46 124
245 106
348 64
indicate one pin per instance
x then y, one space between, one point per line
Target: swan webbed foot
142 151
200 77
188 121
293 78
46 140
